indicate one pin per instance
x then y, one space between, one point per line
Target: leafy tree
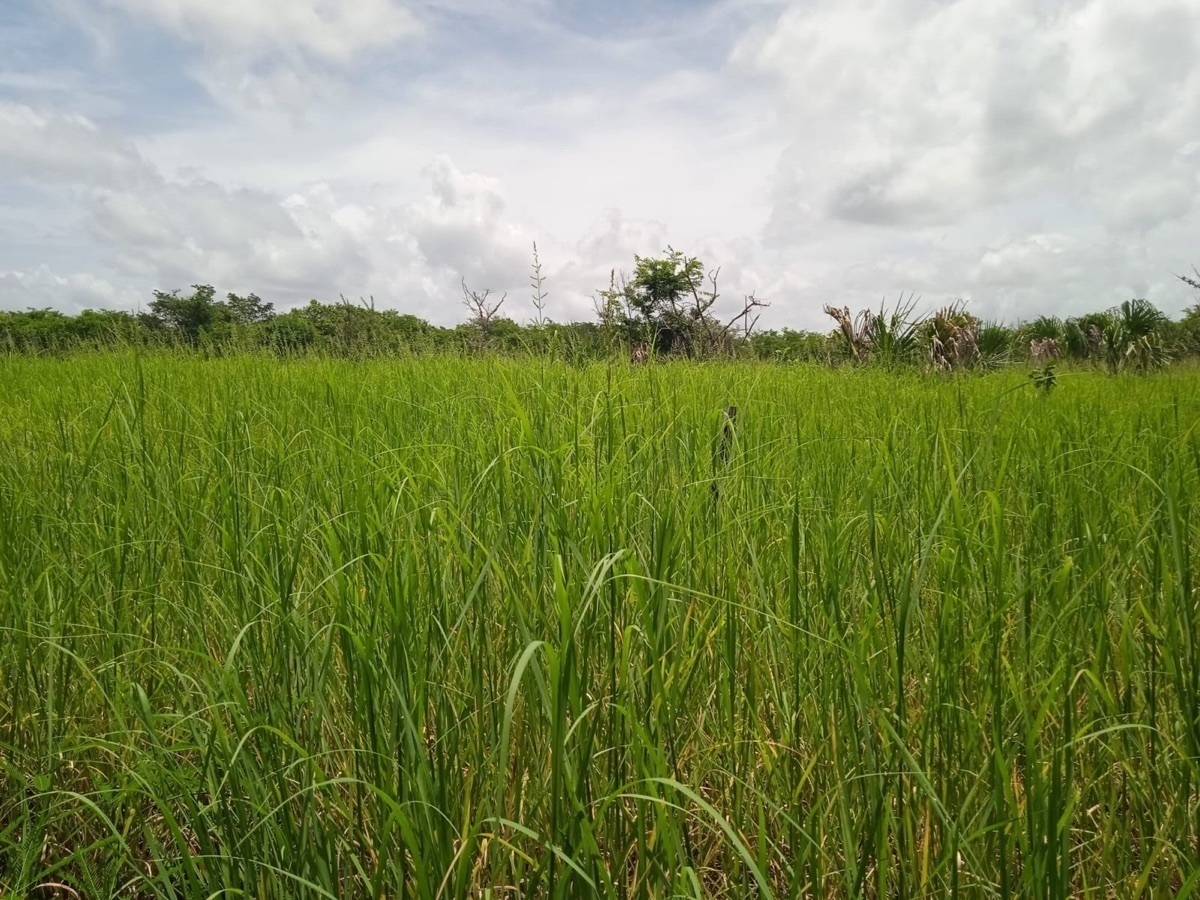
650 305
1187 330
292 332
35 330
248 310
185 318
660 286
668 303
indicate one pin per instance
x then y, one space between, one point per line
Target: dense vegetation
667 302
446 627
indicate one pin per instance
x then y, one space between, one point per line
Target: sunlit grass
444 628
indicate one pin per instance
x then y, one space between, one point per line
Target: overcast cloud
1028 156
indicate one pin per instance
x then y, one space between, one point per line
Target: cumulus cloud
462 227
42 288
1027 156
62 147
1019 143
256 55
935 109
172 232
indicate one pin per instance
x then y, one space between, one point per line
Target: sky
1024 156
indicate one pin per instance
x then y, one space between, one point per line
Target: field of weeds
465 628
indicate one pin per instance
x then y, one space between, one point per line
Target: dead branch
751 304
483 309
1193 282
703 300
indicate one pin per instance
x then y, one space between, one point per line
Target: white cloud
58 147
1030 156
918 112
326 29
40 288
168 233
461 227
975 129
257 56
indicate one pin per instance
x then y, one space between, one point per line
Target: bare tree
483 308
721 335
748 317
703 299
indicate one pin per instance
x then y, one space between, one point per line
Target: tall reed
444 628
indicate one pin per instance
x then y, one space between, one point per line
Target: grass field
450 628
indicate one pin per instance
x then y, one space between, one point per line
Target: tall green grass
447 628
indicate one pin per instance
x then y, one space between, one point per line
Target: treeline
200 320
665 307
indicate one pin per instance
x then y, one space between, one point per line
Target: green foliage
1188 330
1140 318
441 627
1083 336
887 338
1133 338
951 337
1042 328
665 302
894 336
789 345
186 318
996 342
1044 379
661 286
248 310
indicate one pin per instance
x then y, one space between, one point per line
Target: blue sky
1027 156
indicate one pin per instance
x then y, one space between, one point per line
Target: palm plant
1075 340
996 342
1132 337
1140 318
890 338
1043 328
953 338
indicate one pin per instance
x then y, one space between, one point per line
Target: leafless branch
748 317
704 299
1193 282
483 309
